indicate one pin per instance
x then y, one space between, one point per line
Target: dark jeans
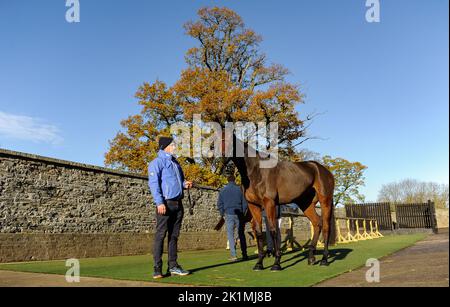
170 224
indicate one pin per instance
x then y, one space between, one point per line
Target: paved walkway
21 279
425 264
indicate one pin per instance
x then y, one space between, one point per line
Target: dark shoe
157 273
245 257
178 271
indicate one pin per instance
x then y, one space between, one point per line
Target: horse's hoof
258 267
275 268
324 262
311 261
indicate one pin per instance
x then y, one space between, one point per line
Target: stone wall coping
68 164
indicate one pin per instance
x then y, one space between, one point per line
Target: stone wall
442 218
47 246
42 195
50 208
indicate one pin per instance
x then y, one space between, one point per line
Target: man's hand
161 209
188 184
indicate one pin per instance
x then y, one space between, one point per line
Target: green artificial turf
211 267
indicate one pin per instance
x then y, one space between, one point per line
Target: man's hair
231 178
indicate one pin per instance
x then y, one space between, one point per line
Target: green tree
349 177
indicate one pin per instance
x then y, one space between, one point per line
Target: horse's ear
224 142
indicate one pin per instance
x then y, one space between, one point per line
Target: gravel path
21 279
425 264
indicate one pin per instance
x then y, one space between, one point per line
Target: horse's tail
332 234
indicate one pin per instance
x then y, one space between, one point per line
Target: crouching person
166 182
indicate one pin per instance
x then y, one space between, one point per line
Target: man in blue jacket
232 206
166 182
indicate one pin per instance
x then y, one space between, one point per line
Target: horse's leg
257 229
271 212
311 214
326 204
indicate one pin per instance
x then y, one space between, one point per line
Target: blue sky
383 87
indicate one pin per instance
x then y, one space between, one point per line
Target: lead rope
191 203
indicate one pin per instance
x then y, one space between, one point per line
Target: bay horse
302 183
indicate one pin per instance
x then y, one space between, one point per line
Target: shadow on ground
300 255
334 255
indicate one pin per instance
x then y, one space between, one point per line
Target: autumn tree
227 79
414 191
349 177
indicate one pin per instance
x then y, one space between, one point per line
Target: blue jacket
165 178
231 200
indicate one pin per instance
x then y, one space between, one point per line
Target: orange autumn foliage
227 79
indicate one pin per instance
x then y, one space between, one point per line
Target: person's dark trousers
241 233
170 224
